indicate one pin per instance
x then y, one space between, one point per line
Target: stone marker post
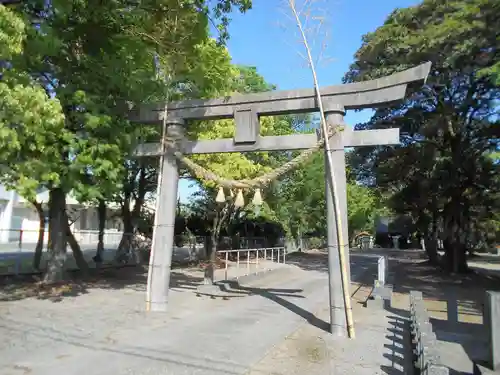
491 319
382 291
382 270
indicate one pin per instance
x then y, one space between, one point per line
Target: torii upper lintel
368 94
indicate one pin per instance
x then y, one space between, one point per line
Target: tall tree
440 173
96 58
29 119
207 72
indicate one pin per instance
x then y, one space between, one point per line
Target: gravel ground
272 324
104 330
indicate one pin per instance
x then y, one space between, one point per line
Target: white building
19 220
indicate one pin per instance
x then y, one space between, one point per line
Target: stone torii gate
246 110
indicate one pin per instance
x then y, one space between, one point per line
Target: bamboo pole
331 175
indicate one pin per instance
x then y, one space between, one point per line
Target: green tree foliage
12 33
208 73
28 117
300 203
441 174
365 204
248 80
296 202
95 58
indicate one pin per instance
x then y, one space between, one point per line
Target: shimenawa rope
253 184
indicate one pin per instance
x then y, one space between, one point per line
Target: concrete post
491 319
164 227
338 324
382 264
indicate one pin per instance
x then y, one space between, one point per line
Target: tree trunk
455 259
57 236
431 241
431 246
126 241
300 243
222 214
76 250
212 253
210 268
130 219
455 249
41 235
101 213
469 238
455 213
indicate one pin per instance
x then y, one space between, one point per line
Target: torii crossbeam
246 110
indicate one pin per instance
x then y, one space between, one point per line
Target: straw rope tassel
221 198
239 201
257 198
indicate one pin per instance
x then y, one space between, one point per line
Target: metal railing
28 238
17 248
228 243
251 261
91 237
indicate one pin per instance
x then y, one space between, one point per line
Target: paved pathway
107 332
381 347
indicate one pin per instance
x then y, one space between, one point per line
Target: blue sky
263 37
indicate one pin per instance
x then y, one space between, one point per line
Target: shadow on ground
279 297
467 289
409 270
454 301
133 277
469 336
397 346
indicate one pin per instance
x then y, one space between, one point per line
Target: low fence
19 260
228 243
17 253
427 360
27 239
18 247
245 262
